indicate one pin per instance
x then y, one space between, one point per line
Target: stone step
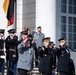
35 69
35 72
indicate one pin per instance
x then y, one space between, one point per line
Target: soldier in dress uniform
63 55
45 65
51 46
11 51
2 52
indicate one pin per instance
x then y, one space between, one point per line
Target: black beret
24 32
12 31
2 31
62 39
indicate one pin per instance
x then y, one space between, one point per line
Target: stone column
46 17
19 16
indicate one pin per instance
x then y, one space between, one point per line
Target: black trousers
43 73
63 73
22 72
36 57
2 66
11 68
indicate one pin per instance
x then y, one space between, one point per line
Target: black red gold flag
9 10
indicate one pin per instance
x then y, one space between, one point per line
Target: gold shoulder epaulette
43 48
58 47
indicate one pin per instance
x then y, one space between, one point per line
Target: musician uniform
52 48
2 52
45 65
11 52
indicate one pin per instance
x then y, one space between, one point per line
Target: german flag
8 7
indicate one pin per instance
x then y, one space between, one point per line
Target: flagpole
15 7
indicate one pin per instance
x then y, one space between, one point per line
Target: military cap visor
12 31
47 39
2 31
51 43
24 32
62 39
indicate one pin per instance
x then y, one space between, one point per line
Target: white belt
2 56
